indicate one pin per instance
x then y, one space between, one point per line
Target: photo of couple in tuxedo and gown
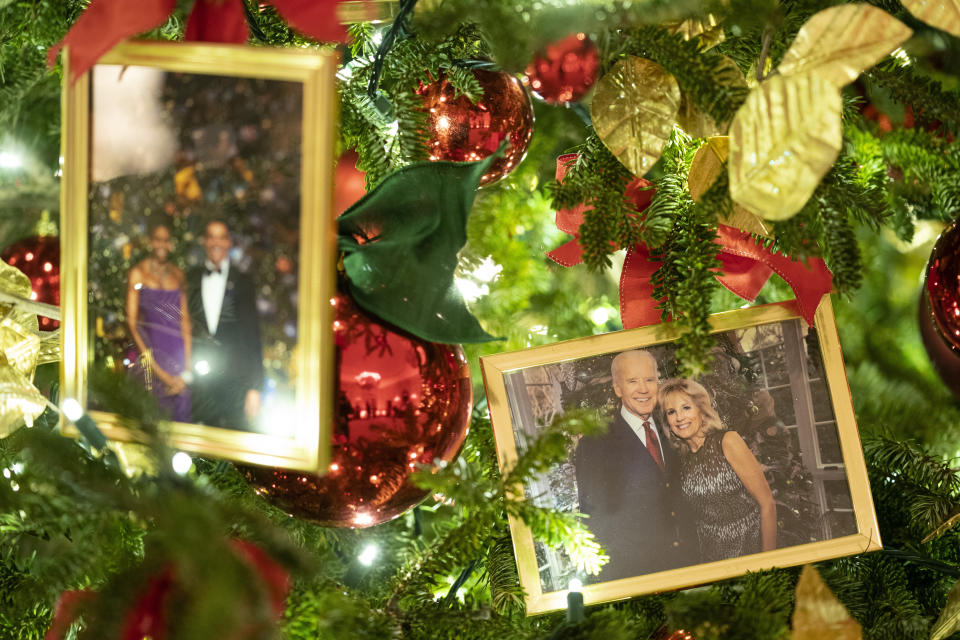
740 460
197 333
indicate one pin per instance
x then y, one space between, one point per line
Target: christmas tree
869 104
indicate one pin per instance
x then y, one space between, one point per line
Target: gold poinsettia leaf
839 43
942 14
818 613
783 140
699 124
633 110
705 168
707 28
20 401
949 620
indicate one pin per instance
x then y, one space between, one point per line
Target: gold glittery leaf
633 111
20 401
819 614
942 14
708 29
949 620
705 169
783 140
699 124
839 43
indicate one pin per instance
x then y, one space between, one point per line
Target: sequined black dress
727 516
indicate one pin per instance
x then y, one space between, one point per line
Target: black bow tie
208 271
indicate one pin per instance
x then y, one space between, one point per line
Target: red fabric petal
217 21
66 610
275 577
315 18
104 24
637 304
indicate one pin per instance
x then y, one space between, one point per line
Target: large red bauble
401 402
349 183
39 258
462 131
940 306
565 71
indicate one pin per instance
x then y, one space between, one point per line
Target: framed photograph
199 247
754 464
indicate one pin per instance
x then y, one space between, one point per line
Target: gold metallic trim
375 11
309 449
867 537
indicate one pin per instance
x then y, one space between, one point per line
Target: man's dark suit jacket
233 353
633 506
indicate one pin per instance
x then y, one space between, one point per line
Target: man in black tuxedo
626 478
227 356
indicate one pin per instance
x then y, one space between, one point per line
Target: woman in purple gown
160 324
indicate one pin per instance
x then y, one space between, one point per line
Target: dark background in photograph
236 157
767 383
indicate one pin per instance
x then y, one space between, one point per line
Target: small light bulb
202 367
72 409
368 555
362 519
181 462
575 585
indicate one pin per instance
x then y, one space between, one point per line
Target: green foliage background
70 519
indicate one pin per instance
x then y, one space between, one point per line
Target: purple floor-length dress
159 326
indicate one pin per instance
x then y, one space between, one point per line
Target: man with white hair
625 478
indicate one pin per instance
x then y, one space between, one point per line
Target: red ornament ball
349 183
462 131
940 306
39 258
565 71
400 402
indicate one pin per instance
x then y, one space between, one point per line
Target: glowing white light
488 270
202 367
599 316
902 56
575 585
6 473
17 467
368 555
181 462
470 290
10 160
362 519
72 409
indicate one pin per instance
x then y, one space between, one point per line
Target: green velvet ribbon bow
400 245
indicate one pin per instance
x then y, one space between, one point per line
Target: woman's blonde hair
701 399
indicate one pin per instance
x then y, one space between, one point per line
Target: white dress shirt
636 423
213 287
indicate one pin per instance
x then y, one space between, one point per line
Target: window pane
822 407
841 523
837 493
783 405
829 443
776 366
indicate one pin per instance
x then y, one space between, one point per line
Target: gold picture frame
252 77
525 388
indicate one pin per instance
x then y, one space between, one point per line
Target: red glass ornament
565 71
39 258
349 183
940 306
401 402
462 131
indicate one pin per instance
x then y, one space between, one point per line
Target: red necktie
653 444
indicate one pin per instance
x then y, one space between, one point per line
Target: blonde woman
720 479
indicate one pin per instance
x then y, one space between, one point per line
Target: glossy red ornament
565 71
400 402
940 306
349 183
39 258
462 131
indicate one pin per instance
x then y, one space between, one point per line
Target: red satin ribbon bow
107 22
745 265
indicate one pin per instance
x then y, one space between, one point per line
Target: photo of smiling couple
669 485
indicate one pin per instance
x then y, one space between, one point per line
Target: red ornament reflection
940 306
349 183
401 402
565 71
39 258
462 131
